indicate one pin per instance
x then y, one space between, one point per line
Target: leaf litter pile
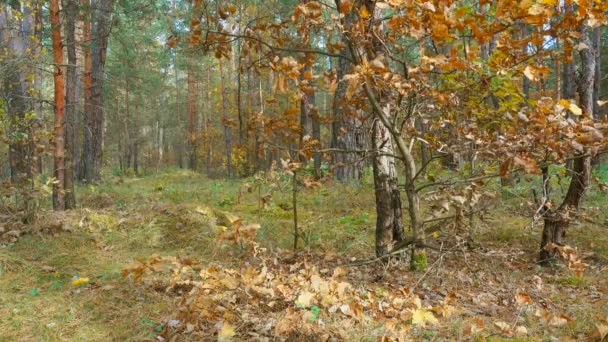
325 297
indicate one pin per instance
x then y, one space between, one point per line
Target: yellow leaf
421 317
576 110
364 12
305 299
226 332
80 281
564 103
536 9
530 73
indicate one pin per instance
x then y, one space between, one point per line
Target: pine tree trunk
94 118
192 136
225 119
59 80
71 102
85 162
345 130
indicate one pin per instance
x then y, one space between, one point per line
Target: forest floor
63 280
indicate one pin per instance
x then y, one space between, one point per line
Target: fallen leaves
226 332
422 317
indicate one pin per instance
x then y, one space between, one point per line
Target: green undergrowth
171 214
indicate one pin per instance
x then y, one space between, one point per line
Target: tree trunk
226 122
206 121
345 128
94 118
597 75
20 152
59 136
128 151
192 135
88 84
135 137
557 221
389 224
71 102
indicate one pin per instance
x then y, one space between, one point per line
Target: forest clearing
303 170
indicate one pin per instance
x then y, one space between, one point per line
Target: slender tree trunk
71 102
226 122
206 119
88 85
239 106
126 121
59 136
135 138
597 75
305 116
192 136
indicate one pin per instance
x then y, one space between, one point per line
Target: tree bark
389 224
345 129
59 80
20 152
71 102
192 135
94 118
87 84
597 75
226 122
